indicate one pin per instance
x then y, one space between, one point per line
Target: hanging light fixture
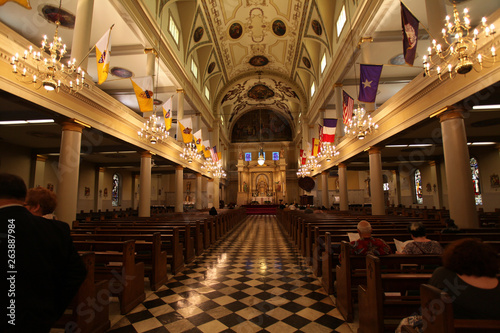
153 130
461 55
361 124
303 172
261 160
190 152
218 172
328 151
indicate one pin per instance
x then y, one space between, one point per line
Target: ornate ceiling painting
254 37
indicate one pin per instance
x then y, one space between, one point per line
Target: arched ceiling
242 43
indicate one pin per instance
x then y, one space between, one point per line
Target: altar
264 200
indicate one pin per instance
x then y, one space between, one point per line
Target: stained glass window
418 187
475 181
115 191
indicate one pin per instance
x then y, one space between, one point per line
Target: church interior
178 106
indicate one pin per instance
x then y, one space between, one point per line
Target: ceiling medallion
121 72
54 14
258 61
279 28
198 34
316 26
306 62
235 30
211 67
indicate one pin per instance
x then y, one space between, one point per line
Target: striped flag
102 50
329 126
197 141
348 106
143 88
167 113
213 152
302 157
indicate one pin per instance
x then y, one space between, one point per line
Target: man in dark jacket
42 269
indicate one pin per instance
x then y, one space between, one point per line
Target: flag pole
93 47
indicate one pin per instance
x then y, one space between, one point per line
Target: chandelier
190 152
208 165
153 130
49 73
303 172
327 151
308 168
261 160
218 172
460 56
361 124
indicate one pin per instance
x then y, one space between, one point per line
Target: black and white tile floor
251 281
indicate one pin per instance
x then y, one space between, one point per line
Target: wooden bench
125 276
440 319
380 312
351 272
89 309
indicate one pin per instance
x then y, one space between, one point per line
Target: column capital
322 110
198 175
180 91
179 167
102 169
452 113
374 150
325 173
146 153
210 180
41 158
71 126
338 85
342 165
432 163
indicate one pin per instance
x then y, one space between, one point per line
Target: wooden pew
148 251
375 307
126 277
440 315
89 309
351 272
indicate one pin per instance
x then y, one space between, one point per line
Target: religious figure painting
258 61
211 67
316 26
260 92
198 34
235 30
306 62
279 28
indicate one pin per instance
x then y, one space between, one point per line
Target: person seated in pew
366 244
308 210
451 227
43 270
470 277
212 211
420 243
41 202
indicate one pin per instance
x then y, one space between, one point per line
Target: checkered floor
251 281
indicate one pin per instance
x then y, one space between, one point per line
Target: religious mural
261 126
306 62
260 92
279 28
235 30
211 67
198 34
258 61
316 26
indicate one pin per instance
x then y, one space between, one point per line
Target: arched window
115 191
475 181
418 187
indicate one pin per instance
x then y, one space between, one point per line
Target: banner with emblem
143 88
186 129
410 34
102 50
24 3
197 141
206 148
167 113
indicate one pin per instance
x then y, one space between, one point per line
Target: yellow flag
143 88
186 128
102 50
315 147
197 141
206 148
167 113
24 3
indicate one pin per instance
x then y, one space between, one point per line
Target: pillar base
242 198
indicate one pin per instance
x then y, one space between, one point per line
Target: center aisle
251 281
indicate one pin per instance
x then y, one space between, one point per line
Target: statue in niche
245 187
262 187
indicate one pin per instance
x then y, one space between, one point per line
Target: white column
82 31
457 166
216 193
100 188
68 172
40 171
435 185
324 189
210 193
344 199
198 191
397 188
337 92
376 181
145 185
179 189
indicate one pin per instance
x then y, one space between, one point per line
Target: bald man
366 244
